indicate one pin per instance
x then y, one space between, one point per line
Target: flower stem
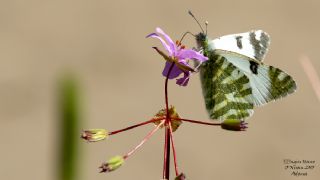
174 151
165 155
137 125
198 122
166 90
166 168
167 159
143 141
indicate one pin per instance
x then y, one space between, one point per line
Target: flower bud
94 135
181 176
234 125
113 164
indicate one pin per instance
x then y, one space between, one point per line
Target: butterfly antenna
185 35
195 20
207 23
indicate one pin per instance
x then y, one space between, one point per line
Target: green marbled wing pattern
281 83
226 89
267 82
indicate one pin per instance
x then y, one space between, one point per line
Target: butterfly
235 79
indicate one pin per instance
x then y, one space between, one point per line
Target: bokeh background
101 45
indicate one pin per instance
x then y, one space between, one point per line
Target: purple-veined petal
184 80
165 45
175 72
169 41
191 54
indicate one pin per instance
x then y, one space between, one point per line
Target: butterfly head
201 39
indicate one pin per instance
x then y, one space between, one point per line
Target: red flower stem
166 91
167 159
143 141
198 122
137 125
165 155
167 133
174 151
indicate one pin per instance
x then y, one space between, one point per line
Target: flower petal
165 45
169 41
191 54
175 72
183 64
184 80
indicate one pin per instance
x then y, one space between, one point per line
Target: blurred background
69 65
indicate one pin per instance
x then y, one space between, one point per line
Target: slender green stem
69 111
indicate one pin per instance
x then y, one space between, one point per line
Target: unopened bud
94 135
234 125
113 164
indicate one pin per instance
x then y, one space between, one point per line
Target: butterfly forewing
226 89
253 44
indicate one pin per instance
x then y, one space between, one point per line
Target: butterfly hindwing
225 89
253 44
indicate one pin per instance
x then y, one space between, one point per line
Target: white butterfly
235 79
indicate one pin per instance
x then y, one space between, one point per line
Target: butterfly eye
183 46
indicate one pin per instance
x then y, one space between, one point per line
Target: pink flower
178 55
